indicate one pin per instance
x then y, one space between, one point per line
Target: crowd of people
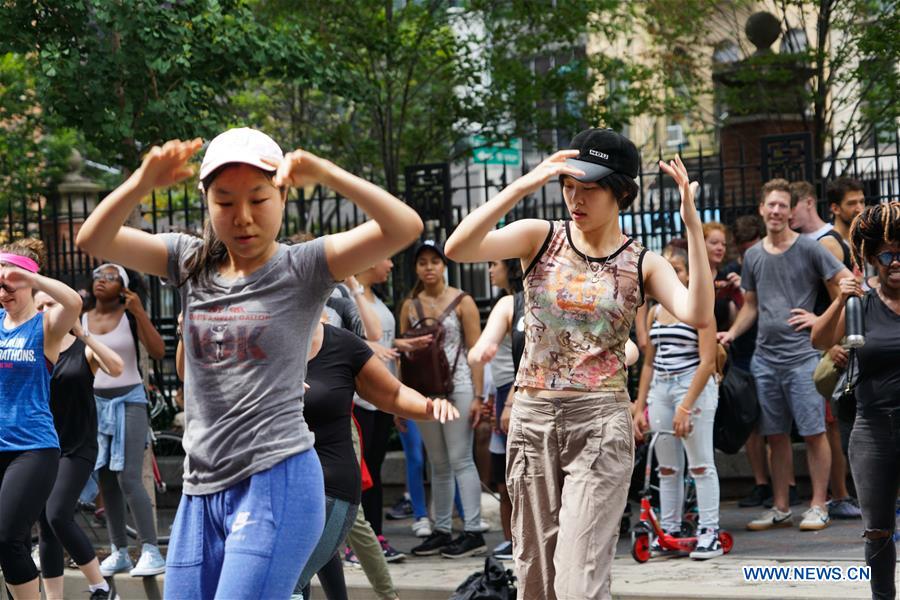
296 372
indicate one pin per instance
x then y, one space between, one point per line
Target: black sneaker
708 545
402 509
793 498
503 551
433 544
757 496
469 543
103 595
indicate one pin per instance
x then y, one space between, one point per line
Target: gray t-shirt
246 342
782 282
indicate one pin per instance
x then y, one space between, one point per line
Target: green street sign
485 152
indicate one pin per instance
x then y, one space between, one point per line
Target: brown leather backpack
427 369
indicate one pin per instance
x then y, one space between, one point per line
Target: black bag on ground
494 583
738 409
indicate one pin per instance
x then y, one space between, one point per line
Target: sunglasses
106 277
886 258
8 288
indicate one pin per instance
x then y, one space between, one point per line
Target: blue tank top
26 422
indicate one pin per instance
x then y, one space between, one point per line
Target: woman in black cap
570 449
449 445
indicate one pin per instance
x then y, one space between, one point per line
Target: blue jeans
665 395
250 540
411 440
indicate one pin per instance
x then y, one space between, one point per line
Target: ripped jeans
875 463
666 393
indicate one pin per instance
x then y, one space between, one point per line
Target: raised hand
167 164
552 167
132 301
12 278
298 169
677 171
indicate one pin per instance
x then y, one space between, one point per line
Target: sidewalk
434 578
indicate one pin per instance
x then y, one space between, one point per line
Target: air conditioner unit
674 136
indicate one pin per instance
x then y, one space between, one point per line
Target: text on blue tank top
25 419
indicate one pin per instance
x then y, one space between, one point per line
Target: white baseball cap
240 145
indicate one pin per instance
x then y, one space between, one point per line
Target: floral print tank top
578 314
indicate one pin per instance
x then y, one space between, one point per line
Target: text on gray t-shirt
246 341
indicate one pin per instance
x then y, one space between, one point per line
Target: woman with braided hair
875 440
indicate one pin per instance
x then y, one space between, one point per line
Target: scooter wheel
640 549
727 541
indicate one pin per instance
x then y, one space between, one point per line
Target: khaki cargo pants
568 468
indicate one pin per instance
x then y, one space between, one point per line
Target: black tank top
72 403
517 333
823 298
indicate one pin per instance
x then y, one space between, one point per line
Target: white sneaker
815 518
771 519
483 526
150 563
422 527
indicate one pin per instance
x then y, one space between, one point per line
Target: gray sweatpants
118 487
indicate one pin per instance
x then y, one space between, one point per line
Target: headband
122 274
20 261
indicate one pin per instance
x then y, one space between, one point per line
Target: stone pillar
764 95
76 197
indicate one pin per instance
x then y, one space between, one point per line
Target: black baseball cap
602 152
432 245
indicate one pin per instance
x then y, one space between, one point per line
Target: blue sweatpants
250 540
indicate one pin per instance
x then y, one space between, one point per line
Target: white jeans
666 393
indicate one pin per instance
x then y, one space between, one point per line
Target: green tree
131 73
412 81
33 154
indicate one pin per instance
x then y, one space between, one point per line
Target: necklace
434 302
596 268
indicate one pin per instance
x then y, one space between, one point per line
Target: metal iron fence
444 193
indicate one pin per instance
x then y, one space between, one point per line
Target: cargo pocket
186 540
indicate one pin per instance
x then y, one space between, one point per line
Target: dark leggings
331 576
875 463
58 528
26 479
376 429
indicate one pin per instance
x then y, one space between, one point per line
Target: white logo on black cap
599 154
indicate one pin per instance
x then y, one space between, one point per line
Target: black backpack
494 583
738 409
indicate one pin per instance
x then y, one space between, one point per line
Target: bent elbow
115 369
83 240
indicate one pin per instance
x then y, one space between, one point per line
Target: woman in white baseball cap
253 506
570 447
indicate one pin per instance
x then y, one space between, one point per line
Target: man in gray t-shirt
780 278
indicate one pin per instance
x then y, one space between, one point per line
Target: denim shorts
787 393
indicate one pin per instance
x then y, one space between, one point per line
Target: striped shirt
677 346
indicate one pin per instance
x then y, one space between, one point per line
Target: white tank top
120 341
